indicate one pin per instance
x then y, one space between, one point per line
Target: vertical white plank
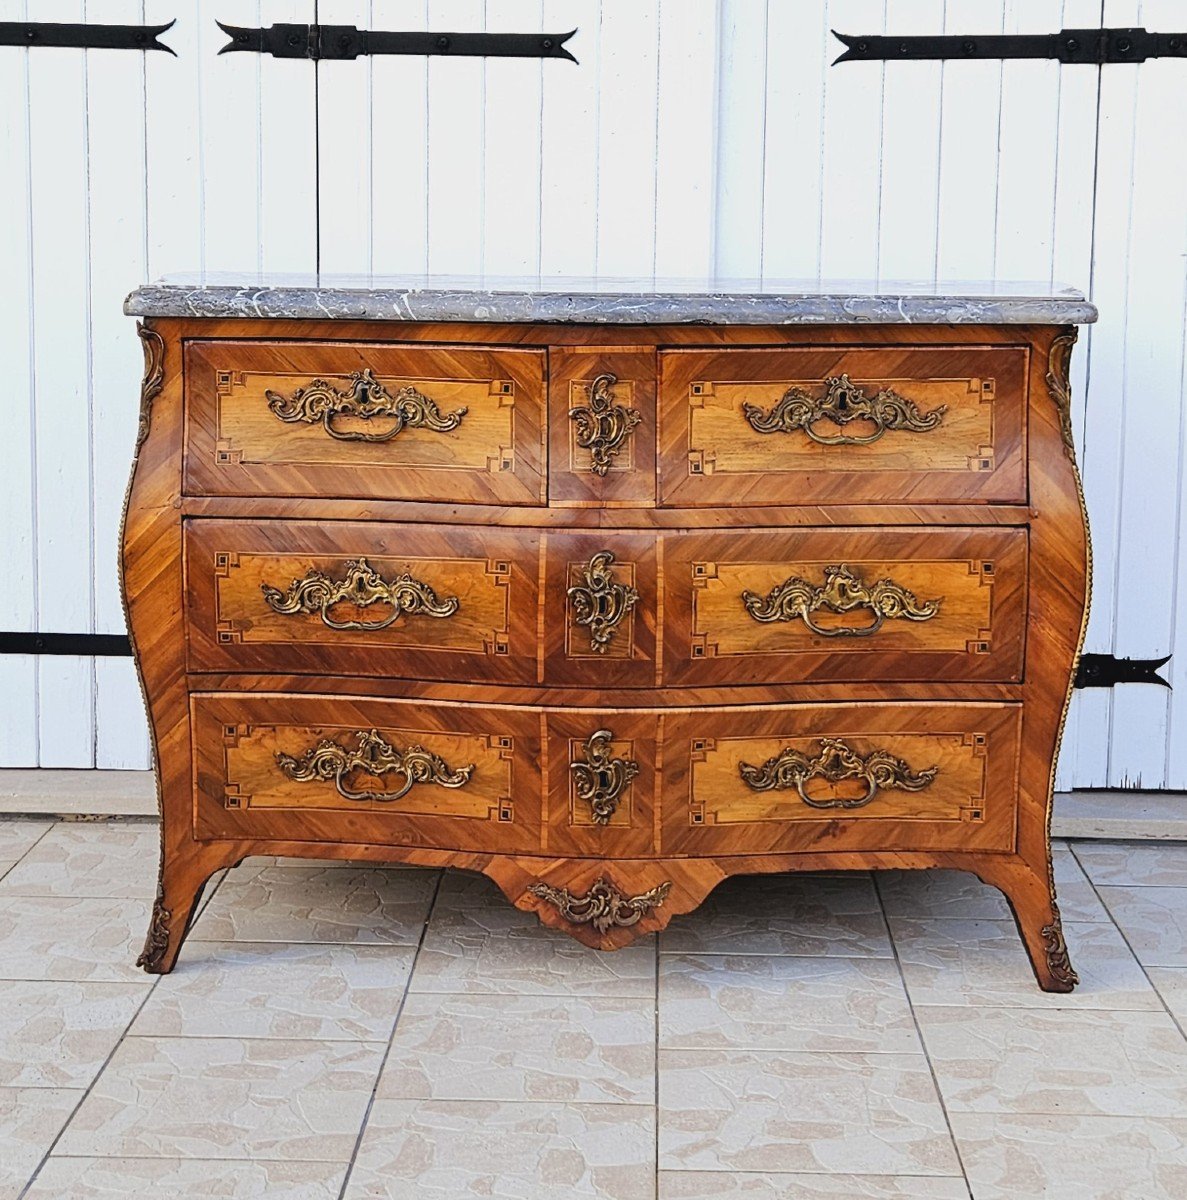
685 145
346 152
1104 423
18 583
569 150
1152 419
742 138
909 201
62 417
399 124
966 239
799 48
626 142
851 184
115 116
1075 185
287 133
456 168
1028 141
512 145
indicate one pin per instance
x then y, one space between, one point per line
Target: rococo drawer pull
362 586
600 603
843 591
835 763
842 402
603 906
365 398
603 426
375 756
599 778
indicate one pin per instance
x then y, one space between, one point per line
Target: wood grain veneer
714 743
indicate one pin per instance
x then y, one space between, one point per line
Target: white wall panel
694 135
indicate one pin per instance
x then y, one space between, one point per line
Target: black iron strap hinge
1103 670
331 42
83 37
84 645
1070 46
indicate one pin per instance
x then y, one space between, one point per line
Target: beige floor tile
227 1098
783 1002
983 963
545 1048
316 904
443 1150
52 937
1171 985
478 942
747 1185
1086 1062
1153 920
1137 864
1077 897
185 1179
784 914
270 989
950 894
1011 1157
736 1110
59 1034
18 836
110 860
30 1119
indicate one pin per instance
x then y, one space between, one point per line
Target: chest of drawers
607 595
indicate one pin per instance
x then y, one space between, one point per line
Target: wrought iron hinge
1103 670
83 645
1070 46
83 37
344 42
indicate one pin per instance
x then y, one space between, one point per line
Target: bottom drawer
592 783
841 777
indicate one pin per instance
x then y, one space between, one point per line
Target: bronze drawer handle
603 906
843 591
842 402
835 762
365 398
603 427
362 587
330 760
599 778
601 604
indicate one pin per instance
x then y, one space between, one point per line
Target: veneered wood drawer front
601 429
842 425
353 598
336 769
841 777
365 420
845 605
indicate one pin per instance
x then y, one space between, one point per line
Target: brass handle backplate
603 906
599 778
599 603
836 762
843 591
362 586
365 399
329 760
603 426
843 401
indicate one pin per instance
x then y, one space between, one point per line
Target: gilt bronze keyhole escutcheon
603 425
599 778
599 603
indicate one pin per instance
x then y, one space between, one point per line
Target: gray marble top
610 301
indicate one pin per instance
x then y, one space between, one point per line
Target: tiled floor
338 1031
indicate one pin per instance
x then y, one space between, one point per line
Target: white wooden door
695 136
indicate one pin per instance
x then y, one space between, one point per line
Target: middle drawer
603 609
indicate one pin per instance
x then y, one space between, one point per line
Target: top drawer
843 425
354 419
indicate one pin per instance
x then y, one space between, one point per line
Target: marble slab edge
282 304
